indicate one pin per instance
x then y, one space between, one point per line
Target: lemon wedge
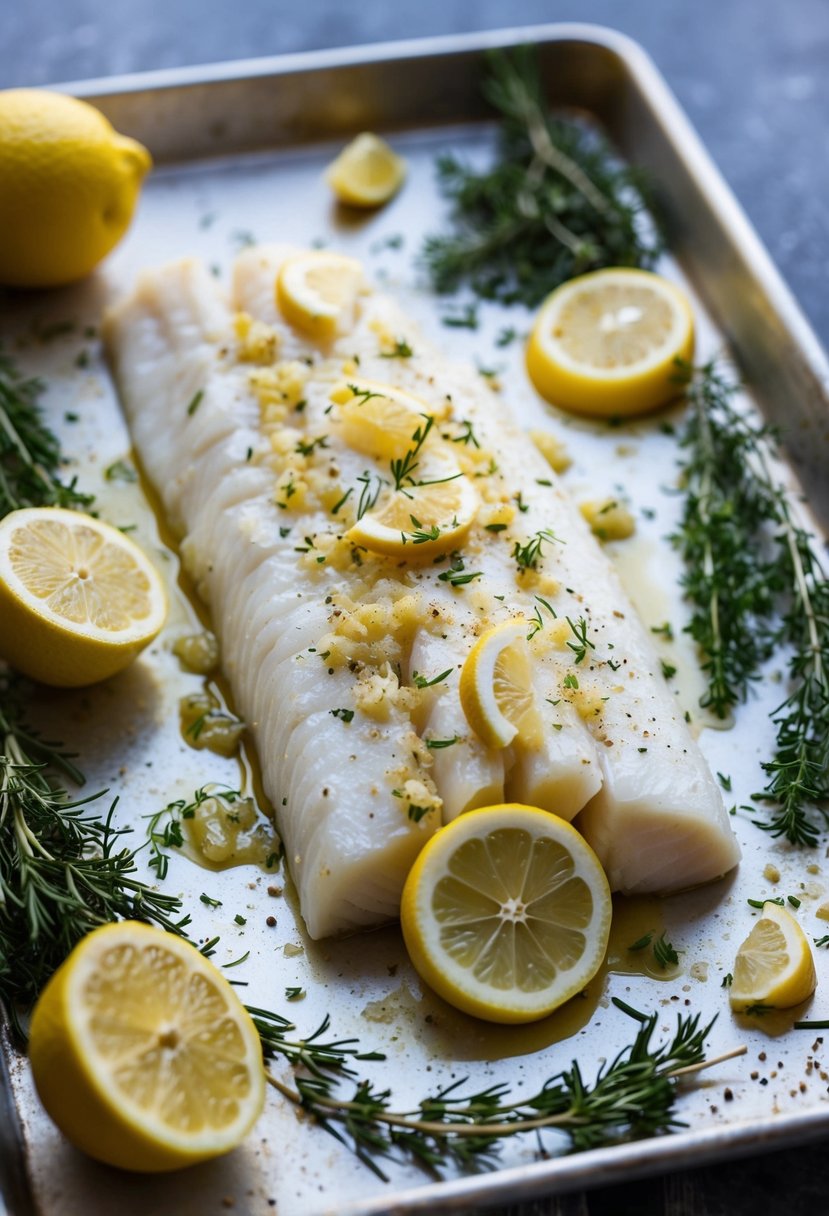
318 291
367 173
424 519
606 343
78 598
380 420
506 913
143 1054
774 965
496 688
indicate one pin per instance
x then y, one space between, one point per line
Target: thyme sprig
630 1097
755 583
555 203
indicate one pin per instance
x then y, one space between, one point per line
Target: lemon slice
380 420
774 965
78 599
496 688
607 343
318 291
506 913
142 1053
423 520
367 173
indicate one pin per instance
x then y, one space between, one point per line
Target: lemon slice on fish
506 913
379 420
317 292
607 343
774 965
367 173
143 1054
421 519
78 598
496 687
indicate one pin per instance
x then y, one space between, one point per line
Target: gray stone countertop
753 75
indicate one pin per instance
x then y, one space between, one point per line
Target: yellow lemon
506 913
317 292
496 688
367 173
774 965
606 343
423 519
380 420
78 598
68 187
143 1054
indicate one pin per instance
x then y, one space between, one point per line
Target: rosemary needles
556 203
63 868
631 1096
29 452
755 583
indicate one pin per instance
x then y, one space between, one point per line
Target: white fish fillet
345 790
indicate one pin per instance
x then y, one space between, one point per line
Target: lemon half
78 598
506 913
367 173
774 965
143 1054
496 687
606 343
68 187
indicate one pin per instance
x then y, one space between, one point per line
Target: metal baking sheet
240 149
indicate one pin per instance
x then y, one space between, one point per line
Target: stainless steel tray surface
240 149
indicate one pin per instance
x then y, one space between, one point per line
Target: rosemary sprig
29 452
555 204
630 1097
745 555
63 868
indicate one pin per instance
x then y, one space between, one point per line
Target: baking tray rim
629 1159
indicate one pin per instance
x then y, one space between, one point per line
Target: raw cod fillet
309 627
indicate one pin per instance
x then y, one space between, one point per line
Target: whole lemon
68 187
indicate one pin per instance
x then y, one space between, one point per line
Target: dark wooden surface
754 77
